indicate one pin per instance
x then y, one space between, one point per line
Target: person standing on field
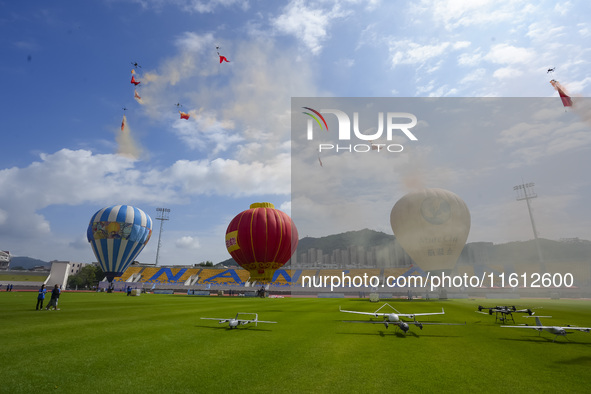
55 295
41 297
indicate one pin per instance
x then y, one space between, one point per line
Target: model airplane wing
215 318
364 313
245 321
582 329
382 314
534 327
412 315
366 321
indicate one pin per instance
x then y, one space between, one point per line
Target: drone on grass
393 318
503 313
238 321
556 330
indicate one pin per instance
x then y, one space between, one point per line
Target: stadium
150 328
296 196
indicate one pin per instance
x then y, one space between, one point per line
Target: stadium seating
283 277
128 273
223 276
147 273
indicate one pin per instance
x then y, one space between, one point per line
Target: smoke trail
127 146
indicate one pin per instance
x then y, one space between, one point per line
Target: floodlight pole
528 194
162 215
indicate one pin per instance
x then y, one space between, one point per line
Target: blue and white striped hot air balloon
117 235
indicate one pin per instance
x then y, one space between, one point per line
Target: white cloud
563 8
199 6
211 5
409 52
505 73
461 44
308 24
345 63
453 14
509 54
583 29
230 177
541 32
286 207
470 59
477 75
76 177
539 140
187 242
204 132
193 42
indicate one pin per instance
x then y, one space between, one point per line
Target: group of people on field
55 295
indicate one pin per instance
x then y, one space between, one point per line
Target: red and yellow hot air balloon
261 240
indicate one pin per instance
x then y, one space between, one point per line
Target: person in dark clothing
55 295
128 290
41 297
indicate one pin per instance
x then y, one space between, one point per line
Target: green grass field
99 343
7 278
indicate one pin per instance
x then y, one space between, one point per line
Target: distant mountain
366 238
227 263
27 262
575 249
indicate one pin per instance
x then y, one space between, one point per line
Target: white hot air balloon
432 226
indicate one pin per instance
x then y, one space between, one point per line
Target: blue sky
65 71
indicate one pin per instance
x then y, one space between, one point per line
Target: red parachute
261 240
566 100
184 115
222 58
137 97
133 81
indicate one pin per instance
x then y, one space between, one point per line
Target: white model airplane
556 330
236 321
394 318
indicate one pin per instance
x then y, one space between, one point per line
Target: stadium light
162 215
526 192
